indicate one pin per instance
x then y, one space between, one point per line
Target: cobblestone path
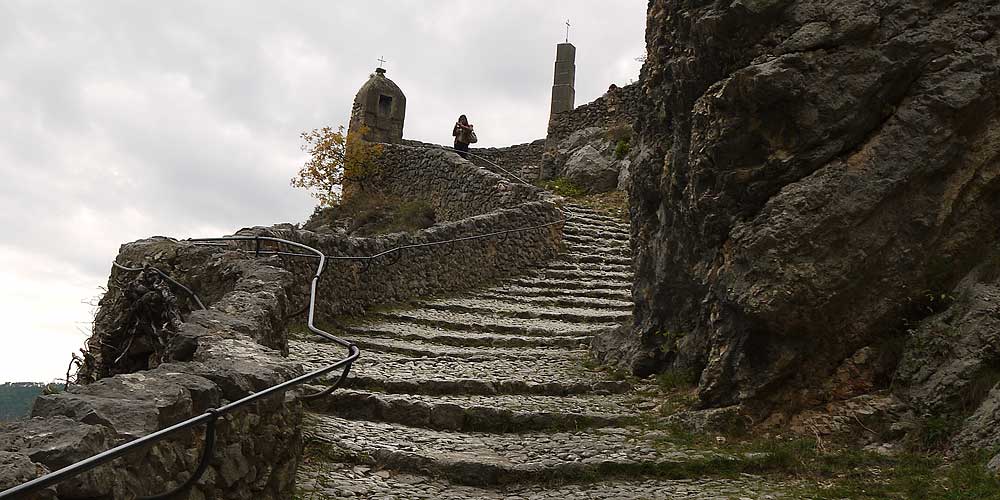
490 396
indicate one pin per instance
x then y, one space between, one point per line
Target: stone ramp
492 395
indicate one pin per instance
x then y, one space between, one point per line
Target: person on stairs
464 135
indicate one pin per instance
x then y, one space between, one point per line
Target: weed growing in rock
622 149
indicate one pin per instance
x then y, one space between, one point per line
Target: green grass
826 471
563 187
370 214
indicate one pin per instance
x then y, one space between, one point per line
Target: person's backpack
472 137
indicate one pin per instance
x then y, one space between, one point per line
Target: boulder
589 169
17 469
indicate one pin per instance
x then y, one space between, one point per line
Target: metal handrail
210 416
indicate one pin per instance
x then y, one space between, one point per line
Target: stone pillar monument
563 85
380 106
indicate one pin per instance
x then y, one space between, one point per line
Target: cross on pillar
381 61
567 30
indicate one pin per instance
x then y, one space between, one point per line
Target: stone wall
349 287
213 357
470 200
523 160
618 107
455 187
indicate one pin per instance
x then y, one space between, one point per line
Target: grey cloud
128 119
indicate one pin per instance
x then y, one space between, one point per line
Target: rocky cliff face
812 176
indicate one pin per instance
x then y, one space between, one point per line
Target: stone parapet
213 357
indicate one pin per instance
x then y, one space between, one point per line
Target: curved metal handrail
209 416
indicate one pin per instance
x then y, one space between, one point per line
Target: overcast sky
122 120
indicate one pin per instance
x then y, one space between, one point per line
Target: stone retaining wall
620 106
522 160
214 357
349 287
471 200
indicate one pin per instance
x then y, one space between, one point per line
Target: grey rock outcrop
587 158
589 169
810 171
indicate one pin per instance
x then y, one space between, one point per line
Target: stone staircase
491 395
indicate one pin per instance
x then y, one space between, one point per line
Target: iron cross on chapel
381 61
567 30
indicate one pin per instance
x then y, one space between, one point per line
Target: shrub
335 158
622 149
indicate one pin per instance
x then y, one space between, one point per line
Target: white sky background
123 120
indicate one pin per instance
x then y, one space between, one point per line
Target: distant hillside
16 399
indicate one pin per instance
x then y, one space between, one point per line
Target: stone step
620 251
593 215
609 231
590 214
569 301
580 274
576 239
319 479
596 259
494 307
422 349
395 373
497 414
503 459
537 291
432 335
578 284
595 233
587 266
477 322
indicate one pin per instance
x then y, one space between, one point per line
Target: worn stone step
502 459
478 322
569 301
580 274
620 251
596 259
587 266
593 215
589 212
577 284
537 291
593 233
609 231
496 307
434 335
498 414
395 373
576 239
422 349
320 479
